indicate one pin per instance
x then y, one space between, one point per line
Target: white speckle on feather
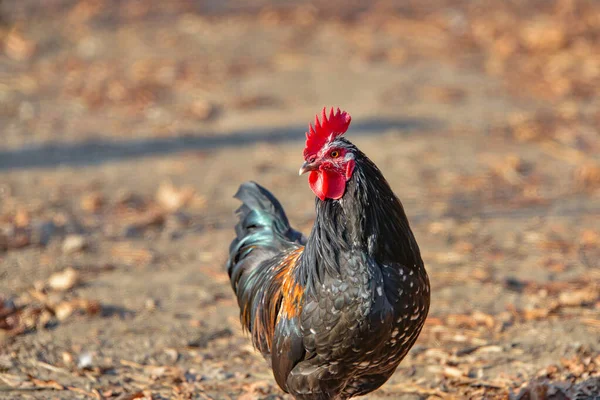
379 291
371 242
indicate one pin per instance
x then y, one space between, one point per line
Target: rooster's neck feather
369 219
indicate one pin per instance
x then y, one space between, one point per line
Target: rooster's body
336 312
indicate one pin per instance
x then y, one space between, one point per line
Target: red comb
326 130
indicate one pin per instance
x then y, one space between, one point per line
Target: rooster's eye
334 154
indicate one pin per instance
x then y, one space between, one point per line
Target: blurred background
127 125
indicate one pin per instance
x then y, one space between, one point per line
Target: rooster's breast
359 324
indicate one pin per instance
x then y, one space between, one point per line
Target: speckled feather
355 297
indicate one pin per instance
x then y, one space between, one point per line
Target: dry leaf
172 198
536 313
450 372
453 372
135 396
543 34
22 218
15 381
587 176
49 384
92 202
489 349
17 47
66 308
202 110
578 298
484 319
459 320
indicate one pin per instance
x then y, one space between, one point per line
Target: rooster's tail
263 235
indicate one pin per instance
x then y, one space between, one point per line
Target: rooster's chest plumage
362 321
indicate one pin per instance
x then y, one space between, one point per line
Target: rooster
335 312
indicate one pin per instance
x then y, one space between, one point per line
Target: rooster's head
329 159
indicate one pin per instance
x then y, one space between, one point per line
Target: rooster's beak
307 167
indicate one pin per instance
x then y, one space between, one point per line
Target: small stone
202 110
151 304
22 218
84 361
64 280
42 232
73 244
67 358
64 310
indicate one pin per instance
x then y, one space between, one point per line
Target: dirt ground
127 126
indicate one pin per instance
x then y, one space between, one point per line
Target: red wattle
327 184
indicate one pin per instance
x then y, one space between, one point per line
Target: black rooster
336 312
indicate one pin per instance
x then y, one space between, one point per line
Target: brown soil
128 125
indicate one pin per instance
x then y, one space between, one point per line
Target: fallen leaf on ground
172 198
